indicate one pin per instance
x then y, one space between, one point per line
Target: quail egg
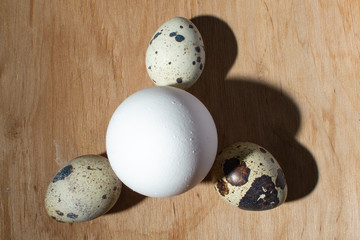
84 189
248 176
176 55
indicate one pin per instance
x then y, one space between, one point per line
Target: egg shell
248 176
161 141
84 189
176 55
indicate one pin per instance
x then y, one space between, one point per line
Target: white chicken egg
176 55
161 141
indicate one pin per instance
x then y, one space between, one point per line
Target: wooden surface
283 74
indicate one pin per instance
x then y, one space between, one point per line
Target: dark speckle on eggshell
201 66
197 49
179 38
155 36
261 196
104 196
262 150
172 34
56 219
179 80
280 179
198 59
236 172
222 187
193 62
63 173
72 215
191 26
59 213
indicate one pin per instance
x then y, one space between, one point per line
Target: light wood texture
283 74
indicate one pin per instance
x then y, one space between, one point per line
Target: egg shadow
127 199
246 110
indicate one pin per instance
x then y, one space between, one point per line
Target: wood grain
283 74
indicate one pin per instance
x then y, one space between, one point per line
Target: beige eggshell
247 176
176 55
84 189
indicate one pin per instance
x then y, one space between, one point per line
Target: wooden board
283 74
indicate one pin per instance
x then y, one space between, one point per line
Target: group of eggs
162 141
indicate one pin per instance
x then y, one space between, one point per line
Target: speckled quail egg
176 56
248 176
84 189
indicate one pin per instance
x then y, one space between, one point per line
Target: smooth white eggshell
176 55
161 141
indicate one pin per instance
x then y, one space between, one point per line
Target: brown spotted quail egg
248 176
176 55
84 189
